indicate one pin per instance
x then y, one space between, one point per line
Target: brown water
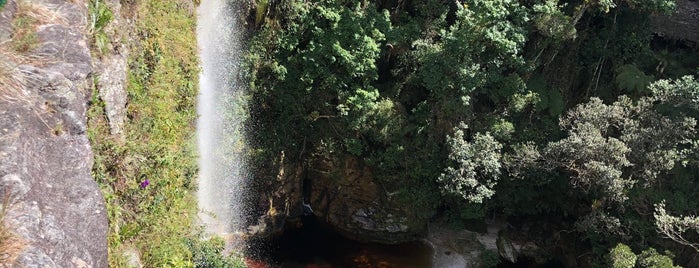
316 246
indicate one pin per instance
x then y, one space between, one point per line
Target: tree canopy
549 111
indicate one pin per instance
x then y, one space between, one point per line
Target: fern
632 80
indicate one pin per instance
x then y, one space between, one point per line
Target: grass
158 146
100 16
10 244
28 17
11 79
16 51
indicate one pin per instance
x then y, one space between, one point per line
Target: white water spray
221 110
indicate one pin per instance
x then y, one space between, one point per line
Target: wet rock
463 248
340 193
454 248
343 194
505 248
279 202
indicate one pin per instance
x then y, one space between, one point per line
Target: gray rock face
45 156
112 90
111 72
683 24
463 248
8 12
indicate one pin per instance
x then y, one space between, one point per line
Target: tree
651 258
313 67
611 148
676 228
614 152
621 256
475 166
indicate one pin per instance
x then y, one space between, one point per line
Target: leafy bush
209 254
477 166
621 256
651 258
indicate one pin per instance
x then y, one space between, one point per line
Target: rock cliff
683 24
342 193
45 157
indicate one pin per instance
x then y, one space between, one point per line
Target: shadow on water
313 245
531 263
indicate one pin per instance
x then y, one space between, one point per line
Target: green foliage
209 254
354 146
651 258
618 154
320 70
157 143
681 93
546 98
613 147
550 20
537 82
502 129
489 259
632 80
261 11
472 54
477 166
621 256
100 16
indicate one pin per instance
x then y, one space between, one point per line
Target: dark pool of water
313 245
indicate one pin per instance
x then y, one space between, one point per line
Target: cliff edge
53 203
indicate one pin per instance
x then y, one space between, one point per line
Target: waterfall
221 108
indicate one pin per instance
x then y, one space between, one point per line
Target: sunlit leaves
621 256
676 228
475 167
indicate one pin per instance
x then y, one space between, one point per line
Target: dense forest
571 116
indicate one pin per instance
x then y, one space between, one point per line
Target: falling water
221 109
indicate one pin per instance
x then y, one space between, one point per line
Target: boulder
343 194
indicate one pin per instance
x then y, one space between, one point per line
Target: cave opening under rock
308 242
